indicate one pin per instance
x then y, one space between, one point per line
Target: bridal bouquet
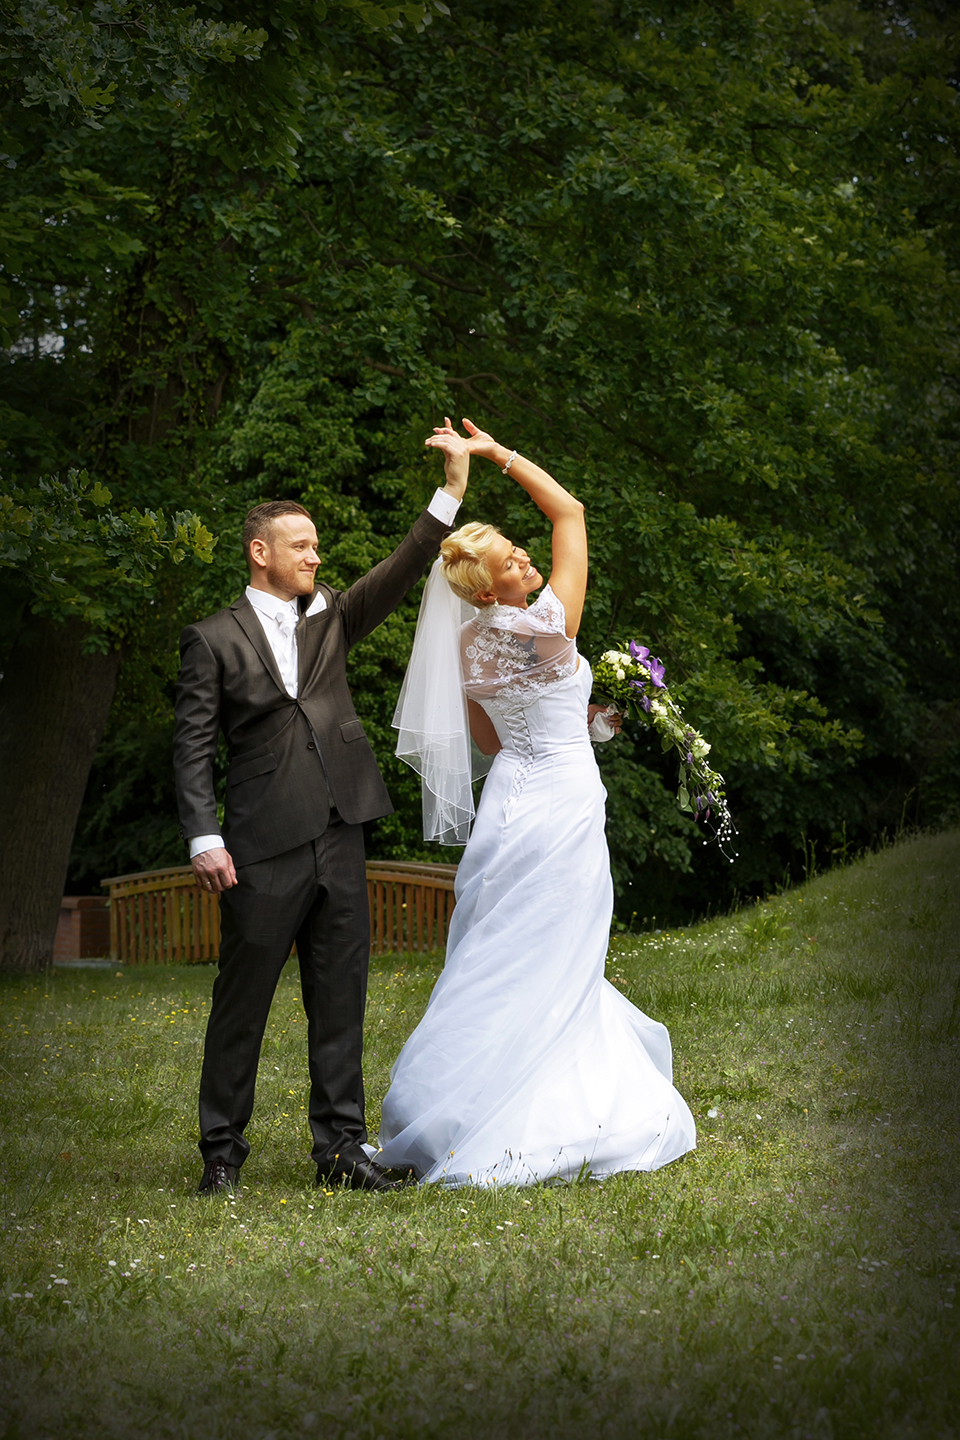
632 681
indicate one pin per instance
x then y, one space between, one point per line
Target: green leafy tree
693 260
76 575
111 366
700 261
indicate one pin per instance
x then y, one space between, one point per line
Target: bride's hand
478 442
612 717
483 444
456 457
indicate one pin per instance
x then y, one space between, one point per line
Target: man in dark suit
270 672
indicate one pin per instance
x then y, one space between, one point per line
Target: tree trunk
54 703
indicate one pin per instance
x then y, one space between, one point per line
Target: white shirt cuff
444 507
205 842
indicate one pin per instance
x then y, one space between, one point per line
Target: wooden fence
160 917
410 905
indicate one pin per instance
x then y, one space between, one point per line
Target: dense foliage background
699 260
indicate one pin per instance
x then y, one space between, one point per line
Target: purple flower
645 702
639 652
638 684
656 672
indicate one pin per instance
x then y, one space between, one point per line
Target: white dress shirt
279 621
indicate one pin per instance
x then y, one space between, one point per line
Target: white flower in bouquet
701 789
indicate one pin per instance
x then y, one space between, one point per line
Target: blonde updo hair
464 564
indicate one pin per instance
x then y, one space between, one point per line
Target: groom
270 672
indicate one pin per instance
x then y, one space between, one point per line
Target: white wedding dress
528 1065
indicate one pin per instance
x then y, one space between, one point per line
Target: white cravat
279 621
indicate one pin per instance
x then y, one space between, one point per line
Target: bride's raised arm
568 577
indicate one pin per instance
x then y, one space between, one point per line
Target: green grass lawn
794 1276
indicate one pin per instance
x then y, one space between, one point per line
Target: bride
527 1065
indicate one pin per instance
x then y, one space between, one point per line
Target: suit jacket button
311 746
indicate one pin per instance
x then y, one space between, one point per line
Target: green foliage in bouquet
631 680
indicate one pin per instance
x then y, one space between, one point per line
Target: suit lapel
249 623
309 633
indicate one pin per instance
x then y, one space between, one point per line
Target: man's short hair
259 523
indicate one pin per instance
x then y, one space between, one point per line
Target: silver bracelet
506 468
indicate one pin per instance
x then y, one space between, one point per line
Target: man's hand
214 870
456 457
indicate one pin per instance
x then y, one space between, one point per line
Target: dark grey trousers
316 895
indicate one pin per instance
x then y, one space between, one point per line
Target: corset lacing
515 719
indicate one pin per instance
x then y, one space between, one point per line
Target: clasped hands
457 449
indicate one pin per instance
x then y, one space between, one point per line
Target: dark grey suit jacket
278 784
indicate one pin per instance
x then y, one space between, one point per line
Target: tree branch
432 275
647 450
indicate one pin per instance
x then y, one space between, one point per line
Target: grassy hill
794 1276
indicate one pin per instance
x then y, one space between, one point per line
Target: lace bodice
515 655
525 672
507 659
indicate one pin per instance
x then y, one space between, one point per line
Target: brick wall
83 929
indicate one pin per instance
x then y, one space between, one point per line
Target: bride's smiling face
513 574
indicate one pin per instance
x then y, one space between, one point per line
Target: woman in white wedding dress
528 1065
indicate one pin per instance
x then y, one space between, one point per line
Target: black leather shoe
219 1178
358 1174
404 1178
